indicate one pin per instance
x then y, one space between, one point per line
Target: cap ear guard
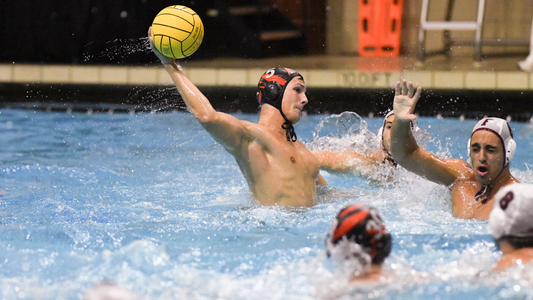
511 149
272 90
268 92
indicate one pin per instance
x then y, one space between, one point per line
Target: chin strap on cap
484 194
289 129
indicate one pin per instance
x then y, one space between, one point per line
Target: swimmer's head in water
270 90
361 226
500 128
385 131
512 214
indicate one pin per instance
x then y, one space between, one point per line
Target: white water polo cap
414 127
501 128
512 213
382 128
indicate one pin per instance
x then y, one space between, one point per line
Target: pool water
152 203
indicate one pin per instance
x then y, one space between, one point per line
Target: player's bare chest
464 204
297 154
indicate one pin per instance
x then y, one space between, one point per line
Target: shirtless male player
491 148
278 168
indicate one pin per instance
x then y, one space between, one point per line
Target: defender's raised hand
405 100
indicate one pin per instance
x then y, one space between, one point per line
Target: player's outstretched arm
225 129
321 181
404 148
339 162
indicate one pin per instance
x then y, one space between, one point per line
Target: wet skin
387 131
487 155
463 180
512 256
294 100
278 172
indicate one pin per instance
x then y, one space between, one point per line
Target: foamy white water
152 203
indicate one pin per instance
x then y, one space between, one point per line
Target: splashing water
119 49
342 132
161 100
143 97
152 203
349 132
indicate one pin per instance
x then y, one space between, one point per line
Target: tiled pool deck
319 71
454 87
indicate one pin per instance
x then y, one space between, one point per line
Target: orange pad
380 23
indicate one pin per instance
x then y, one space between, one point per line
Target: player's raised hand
405 100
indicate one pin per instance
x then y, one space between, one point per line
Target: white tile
26 73
418 78
55 74
163 77
114 75
253 76
480 80
231 77
143 75
203 76
322 78
448 80
6 72
512 80
82 74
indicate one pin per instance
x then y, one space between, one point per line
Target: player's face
294 100
487 155
386 132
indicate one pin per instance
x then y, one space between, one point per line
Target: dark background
112 32
88 31
79 31
63 31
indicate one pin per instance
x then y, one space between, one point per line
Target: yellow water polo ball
177 31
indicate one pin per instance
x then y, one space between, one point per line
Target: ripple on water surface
151 202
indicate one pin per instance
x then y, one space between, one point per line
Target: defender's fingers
411 90
397 91
404 87
417 95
